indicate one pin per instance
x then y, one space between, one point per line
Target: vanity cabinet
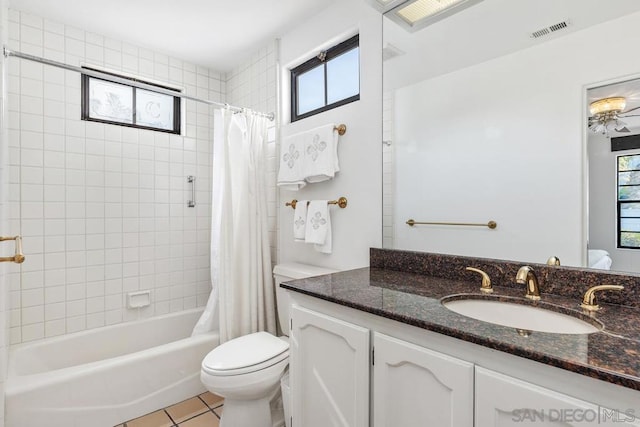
329 363
421 378
417 387
503 401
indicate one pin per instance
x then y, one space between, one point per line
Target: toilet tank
291 271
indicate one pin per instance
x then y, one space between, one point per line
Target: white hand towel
326 247
318 229
300 220
290 174
320 154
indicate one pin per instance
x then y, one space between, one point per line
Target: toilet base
246 413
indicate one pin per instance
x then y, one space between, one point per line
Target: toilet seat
249 353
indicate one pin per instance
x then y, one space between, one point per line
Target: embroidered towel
300 220
320 154
326 247
318 229
290 174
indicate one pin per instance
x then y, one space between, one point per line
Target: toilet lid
244 352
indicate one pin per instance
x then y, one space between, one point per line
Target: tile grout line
210 408
176 424
173 423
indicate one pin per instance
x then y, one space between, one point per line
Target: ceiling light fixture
606 105
605 115
416 14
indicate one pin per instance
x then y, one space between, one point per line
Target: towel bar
341 202
491 224
342 129
18 258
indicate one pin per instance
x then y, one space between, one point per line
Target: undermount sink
520 316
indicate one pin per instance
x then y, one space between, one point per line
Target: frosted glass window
311 90
154 109
110 101
120 104
329 80
343 76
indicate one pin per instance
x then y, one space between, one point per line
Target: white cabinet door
506 401
416 387
329 371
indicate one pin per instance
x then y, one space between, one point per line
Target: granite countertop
611 355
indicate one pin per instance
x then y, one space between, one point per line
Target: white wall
603 221
359 226
502 141
102 208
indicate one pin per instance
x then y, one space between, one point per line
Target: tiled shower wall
102 208
253 85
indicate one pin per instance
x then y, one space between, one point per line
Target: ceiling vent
550 29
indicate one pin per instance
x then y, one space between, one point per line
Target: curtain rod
129 82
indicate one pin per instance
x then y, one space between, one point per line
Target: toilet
246 371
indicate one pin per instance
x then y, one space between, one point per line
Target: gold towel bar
342 202
18 258
342 129
491 224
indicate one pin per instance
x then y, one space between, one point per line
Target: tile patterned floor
201 411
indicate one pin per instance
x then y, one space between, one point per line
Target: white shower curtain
242 296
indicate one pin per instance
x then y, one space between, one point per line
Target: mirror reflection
486 118
613 143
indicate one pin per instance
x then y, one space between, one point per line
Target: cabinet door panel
329 371
416 387
506 401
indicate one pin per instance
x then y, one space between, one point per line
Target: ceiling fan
606 114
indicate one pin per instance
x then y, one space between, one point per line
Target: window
629 201
120 104
327 81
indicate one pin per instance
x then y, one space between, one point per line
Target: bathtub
106 376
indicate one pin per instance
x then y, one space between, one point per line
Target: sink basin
521 316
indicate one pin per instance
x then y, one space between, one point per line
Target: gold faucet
527 276
486 280
589 300
554 260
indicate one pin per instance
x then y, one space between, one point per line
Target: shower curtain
242 298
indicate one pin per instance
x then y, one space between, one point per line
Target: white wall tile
99 203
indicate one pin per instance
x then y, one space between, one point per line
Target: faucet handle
553 260
589 302
486 280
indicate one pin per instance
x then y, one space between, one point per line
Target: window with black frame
120 104
327 81
629 201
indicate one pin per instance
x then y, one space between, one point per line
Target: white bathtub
106 376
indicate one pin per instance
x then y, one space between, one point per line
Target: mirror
614 157
484 119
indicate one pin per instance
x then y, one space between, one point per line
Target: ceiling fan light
606 105
598 128
611 125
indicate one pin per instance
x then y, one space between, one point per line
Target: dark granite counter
611 355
